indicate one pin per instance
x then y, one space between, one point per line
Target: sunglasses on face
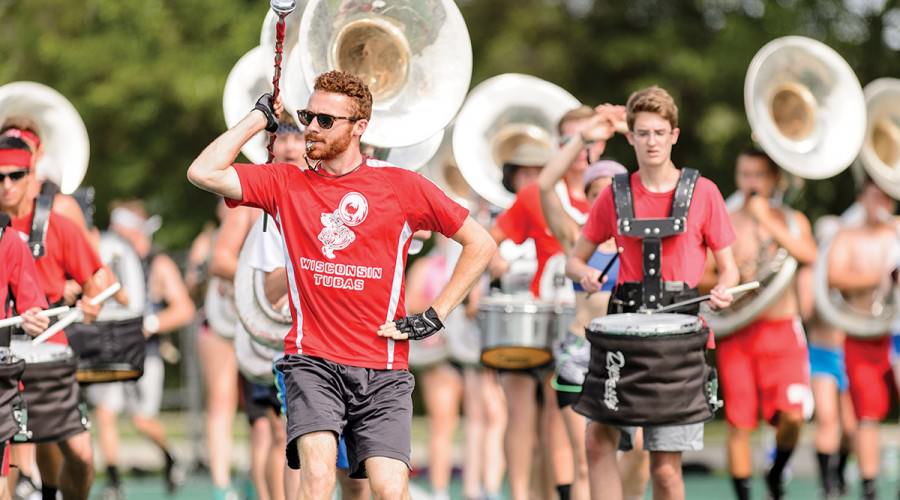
326 121
15 175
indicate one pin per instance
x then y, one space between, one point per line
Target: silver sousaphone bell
807 111
64 138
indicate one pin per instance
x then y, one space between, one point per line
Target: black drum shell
662 379
10 398
109 351
53 400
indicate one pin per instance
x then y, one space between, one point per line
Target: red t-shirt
525 219
684 255
19 274
346 240
68 255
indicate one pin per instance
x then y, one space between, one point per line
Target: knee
600 442
316 475
791 420
666 475
395 489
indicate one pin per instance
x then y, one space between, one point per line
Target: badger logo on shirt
336 233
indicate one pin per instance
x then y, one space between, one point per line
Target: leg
602 444
634 467
665 469
474 433
828 431
868 449
556 445
575 428
260 443
275 462
49 460
739 376
108 434
442 392
318 455
220 376
521 429
493 401
78 467
740 460
389 478
292 483
353 489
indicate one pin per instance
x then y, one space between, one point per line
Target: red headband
15 158
25 135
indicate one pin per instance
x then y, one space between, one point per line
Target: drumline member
342 371
652 119
18 278
64 451
764 367
835 421
863 260
169 309
521 221
235 226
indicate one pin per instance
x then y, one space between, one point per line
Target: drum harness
652 291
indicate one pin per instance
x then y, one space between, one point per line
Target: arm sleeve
23 277
514 221
80 260
426 206
260 185
717 230
600 225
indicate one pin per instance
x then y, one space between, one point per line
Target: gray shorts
371 408
665 438
142 397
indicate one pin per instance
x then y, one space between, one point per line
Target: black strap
43 205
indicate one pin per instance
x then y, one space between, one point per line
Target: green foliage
147 76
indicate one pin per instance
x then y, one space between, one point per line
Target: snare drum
109 351
648 370
11 402
517 332
52 395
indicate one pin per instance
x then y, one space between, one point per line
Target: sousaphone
807 112
64 137
879 158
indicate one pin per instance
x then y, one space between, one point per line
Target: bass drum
221 312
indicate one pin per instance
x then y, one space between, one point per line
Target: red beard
324 149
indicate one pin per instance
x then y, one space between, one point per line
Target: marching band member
344 373
522 220
170 309
64 458
862 261
652 119
764 367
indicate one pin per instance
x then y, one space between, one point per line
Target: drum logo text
614 362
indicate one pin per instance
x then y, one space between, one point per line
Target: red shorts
871 379
4 459
763 368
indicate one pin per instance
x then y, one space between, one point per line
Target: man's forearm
472 263
556 168
209 169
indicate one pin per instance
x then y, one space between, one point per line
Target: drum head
645 324
515 357
42 353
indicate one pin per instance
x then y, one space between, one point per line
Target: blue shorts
342 461
895 347
829 362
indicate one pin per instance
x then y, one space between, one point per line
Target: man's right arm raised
212 170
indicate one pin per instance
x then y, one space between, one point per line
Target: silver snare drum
648 370
517 332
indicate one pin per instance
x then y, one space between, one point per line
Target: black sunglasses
326 121
14 176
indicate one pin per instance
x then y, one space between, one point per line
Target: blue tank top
599 261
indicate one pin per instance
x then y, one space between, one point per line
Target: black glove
420 326
264 104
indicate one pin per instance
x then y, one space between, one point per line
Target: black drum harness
652 292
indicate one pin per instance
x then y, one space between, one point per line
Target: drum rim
688 324
51 352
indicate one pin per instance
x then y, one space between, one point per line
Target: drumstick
746 287
75 315
49 313
606 270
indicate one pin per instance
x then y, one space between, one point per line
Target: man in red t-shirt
67 253
18 275
652 119
764 366
524 219
347 223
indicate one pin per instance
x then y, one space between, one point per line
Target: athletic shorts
258 399
371 408
141 397
4 459
665 437
828 362
870 375
764 368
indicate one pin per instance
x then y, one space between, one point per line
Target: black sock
113 472
48 492
843 456
869 489
827 470
168 456
564 491
741 487
773 478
